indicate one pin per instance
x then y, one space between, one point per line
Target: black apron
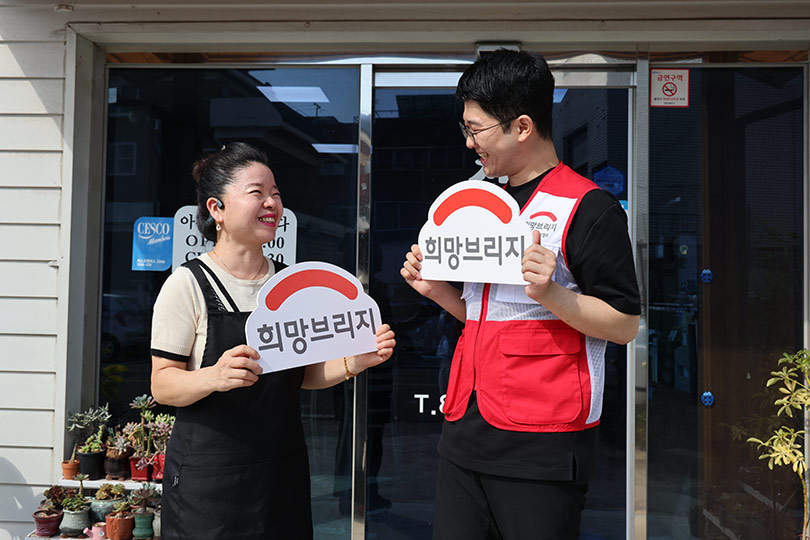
236 465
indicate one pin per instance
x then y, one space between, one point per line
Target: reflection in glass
159 122
417 155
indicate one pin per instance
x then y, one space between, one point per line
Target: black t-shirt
600 257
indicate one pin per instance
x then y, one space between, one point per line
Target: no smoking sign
669 88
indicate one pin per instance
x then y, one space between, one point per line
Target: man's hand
538 266
410 272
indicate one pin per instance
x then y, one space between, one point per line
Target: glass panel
418 153
590 134
725 197
159 122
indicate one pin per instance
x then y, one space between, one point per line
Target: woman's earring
219 227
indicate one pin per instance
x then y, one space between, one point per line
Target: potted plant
140 438
76 514
786 445
83 425
49 513
70 467
140 499
156 524
107 496
91 455
116 458
161 430
120 522
141 443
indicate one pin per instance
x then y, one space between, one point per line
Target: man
519 442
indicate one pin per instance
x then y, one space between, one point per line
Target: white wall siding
30 169
28 316
29 242
39 352
26 390
32 96
32 60
32 80
31 133
30 205
26 428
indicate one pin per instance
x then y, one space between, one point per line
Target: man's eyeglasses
468 133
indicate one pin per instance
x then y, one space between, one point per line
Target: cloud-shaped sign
474 233
311 312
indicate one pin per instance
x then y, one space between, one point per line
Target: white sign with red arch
311 312
474 233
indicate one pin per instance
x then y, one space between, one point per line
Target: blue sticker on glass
152 243
610 179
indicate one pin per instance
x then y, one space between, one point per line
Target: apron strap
212 299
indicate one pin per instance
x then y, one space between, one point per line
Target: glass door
417 153
725 301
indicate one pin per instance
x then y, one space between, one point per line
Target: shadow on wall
17 502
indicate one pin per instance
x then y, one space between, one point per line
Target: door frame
634 78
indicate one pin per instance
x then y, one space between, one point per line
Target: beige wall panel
32 206
18 503
31 60
30 169
33 23
27 316
36 96
26 466
27 390
35 206
26 428
30 132
23 278
29 242
17 530
28 353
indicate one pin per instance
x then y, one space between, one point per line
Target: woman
236 466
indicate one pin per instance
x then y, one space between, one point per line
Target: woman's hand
385 348
236 368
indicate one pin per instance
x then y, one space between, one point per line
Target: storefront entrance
361 150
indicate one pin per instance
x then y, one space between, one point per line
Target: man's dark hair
506 84
214 172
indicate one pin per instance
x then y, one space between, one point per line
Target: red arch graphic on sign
544 214
472 197
308 278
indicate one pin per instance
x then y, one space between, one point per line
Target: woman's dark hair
214 172
506 84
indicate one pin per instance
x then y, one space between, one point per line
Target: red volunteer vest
531 371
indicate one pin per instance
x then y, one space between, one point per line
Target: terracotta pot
157 467
47 525
120 528
91 464
137 474
69 469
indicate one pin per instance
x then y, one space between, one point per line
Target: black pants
477 506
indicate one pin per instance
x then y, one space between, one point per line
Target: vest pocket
453 409
540 380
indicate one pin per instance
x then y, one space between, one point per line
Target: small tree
786 445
